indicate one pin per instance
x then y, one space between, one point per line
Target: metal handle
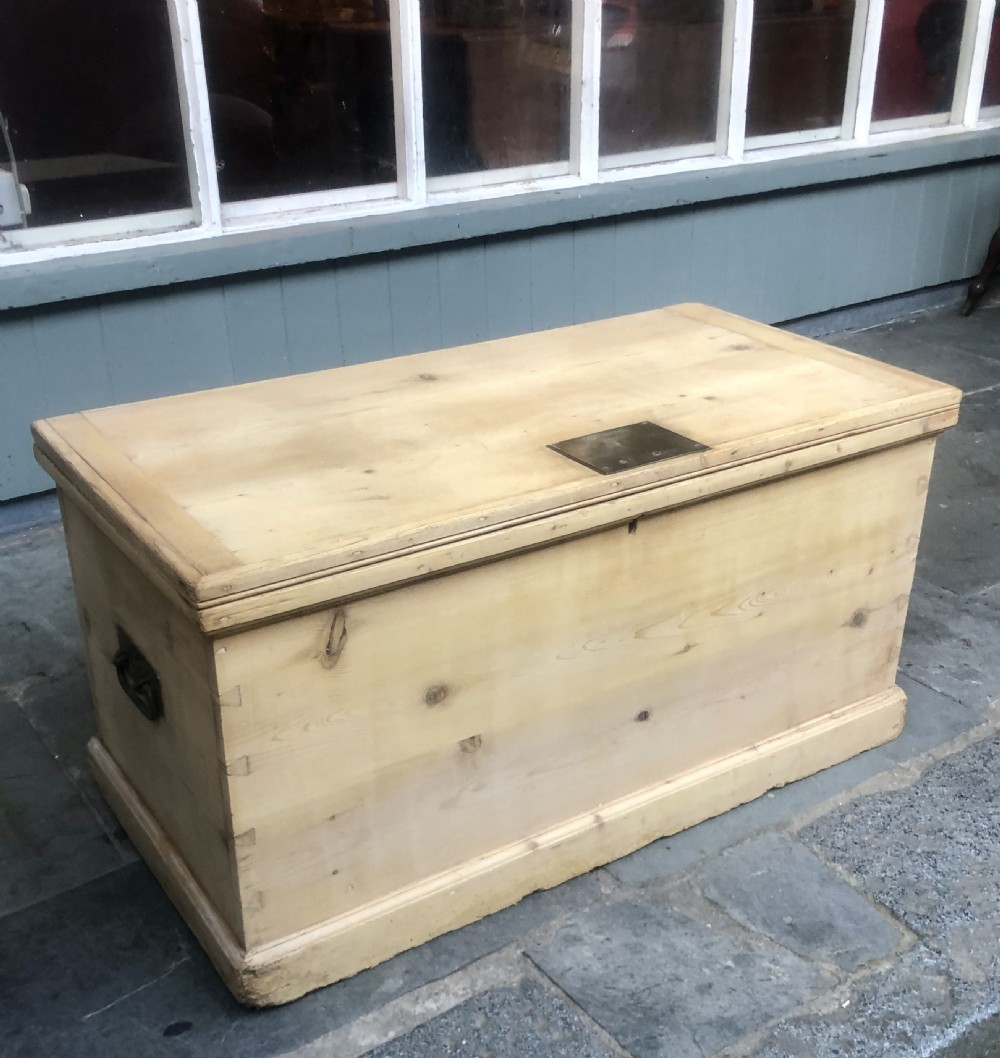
138 678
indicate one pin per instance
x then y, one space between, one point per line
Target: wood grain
342 946
415 664
173 763
622 656
407 452
421 562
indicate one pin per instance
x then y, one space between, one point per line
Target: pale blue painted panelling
774 257
312 318
149 345
71 364
66 370
938 200
593 274
927 226
906 242
552 278
823 247
258 343
961 218
675 235
364 306
414 303
637 260
841 244
21 381
876 251
987 214
462 278
709 270
196 338
131 332
508 286
751 254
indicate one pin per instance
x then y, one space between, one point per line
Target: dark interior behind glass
659 73
89 92
300 94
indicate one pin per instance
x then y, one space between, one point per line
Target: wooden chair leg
977 288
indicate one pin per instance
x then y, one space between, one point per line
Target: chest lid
252 489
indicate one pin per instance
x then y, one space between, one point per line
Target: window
496 76
300 96
660 67
171 120
918 61
799 56
92 110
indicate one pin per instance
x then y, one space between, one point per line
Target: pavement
854 913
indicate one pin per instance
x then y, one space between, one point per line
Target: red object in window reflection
620 23
918 57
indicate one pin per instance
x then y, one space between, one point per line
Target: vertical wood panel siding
774 258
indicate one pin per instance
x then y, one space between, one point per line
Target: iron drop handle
138 678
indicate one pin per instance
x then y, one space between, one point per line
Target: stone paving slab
930 853
958 546
775 886
31 512
39 627
951 643
906 344
948 333
667 986
42 665
905 1011
927 848
49 841
932 719
59 710
108 967
982 1041
524 1021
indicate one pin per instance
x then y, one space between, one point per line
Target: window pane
300 93
659 73
918 58
798 65
496 83
991 85
90 95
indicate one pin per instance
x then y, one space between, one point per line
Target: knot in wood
436 695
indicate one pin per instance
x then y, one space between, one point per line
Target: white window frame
209 218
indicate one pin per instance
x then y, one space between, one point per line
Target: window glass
659 74
799 52
991 85
300 93
90 97
918 58
496 83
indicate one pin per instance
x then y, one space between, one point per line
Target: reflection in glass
991 84
496 83
90 96
300 93
799 54
918 58
659 74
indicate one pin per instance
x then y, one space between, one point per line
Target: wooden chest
371 658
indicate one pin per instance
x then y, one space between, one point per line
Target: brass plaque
626 447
